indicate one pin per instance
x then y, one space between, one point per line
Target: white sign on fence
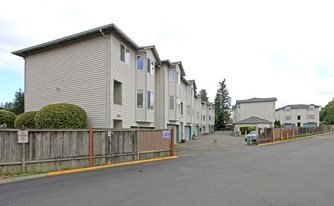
22 136
165 134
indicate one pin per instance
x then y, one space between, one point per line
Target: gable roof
297 106
254 120
96 31
255 99
154 50
174 64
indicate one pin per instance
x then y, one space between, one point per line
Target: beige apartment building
118 83
259 112
298 115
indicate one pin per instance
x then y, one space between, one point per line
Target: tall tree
204 95
18 107
222 106
327 114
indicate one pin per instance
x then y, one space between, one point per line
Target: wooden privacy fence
59 149
268 135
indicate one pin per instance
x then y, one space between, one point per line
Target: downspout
106 119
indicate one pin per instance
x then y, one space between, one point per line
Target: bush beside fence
269 135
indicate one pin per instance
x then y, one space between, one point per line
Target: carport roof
254 120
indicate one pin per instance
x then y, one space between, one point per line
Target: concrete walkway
205 144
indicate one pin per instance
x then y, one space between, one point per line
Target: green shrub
26 119
248 129
7 117
61 115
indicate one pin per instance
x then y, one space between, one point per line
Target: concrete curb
289 140
107 166
8 180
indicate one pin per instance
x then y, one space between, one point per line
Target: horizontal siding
126 75
78 70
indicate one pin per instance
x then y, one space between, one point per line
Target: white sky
282 49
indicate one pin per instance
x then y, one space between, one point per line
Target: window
203 106
203 117
140 63
209 117
209 108
125 54
197 101
311 116
181 108
188 90
197 115
140 98
178 103
117 92
298 117
311 108
287 109
171 102
188 109
150 100
287 117
171 75
150 66
178 78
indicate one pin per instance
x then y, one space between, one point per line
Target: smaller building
298 115
258 112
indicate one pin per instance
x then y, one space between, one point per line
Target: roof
297 106
174 64
99 30
193 82
154 50
255 99
254 120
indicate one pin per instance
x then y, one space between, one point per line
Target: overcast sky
282 49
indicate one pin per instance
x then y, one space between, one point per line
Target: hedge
26 119
61 115
248 129
7 117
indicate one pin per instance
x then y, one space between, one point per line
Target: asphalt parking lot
206 144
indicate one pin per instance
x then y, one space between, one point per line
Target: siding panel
78 70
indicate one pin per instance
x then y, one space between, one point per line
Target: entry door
196 131
188 132
176 132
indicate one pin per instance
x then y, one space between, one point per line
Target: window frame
124 57
171 104
150 100
142 69
171 77
142 97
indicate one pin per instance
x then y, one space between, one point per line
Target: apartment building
259 112
118 83
298 115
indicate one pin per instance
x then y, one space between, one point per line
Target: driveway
205 144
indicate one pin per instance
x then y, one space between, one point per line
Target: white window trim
127 58
137 62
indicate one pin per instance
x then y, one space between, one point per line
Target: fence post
23 170
281 134
273 136
172 141
293 133
138 156
287 135
90 145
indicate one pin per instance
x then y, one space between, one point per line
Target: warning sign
22 136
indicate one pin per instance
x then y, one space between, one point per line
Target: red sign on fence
22 137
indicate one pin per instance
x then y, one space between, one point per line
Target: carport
252 122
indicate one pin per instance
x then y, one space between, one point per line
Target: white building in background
258 112
118 83
298 115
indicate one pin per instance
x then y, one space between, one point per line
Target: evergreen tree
222 106
18 106
204 95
